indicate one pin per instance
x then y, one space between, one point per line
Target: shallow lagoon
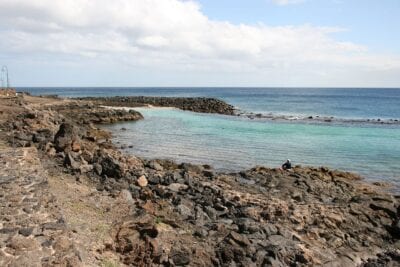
233 143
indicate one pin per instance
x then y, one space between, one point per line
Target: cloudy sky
346 43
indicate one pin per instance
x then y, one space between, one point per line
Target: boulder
240 239
126 196
154 179
42 136
208 173
184 211
26 231
211 212
23 243
84 168
51 151
111 167
247 225
176 187
98 168
66 134
180 256
71 162
23 136
155 165
76 147
191 167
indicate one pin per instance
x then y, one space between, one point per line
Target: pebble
142 181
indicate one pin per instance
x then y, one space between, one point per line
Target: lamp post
4 70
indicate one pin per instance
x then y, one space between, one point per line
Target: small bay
232 143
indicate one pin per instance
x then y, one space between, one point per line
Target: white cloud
176 35
287 2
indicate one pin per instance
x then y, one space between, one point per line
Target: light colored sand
140 108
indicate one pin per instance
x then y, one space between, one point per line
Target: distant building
5 93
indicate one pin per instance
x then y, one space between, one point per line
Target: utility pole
4 70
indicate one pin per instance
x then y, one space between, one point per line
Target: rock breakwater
190 215
195 104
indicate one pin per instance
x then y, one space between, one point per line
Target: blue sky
330 43
375 23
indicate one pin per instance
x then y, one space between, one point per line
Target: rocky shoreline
161 213
317 119
195 104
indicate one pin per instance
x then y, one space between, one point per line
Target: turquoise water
233 143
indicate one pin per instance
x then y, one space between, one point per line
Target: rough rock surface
92 113
33 231
157 212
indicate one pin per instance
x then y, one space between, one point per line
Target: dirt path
90 214
33 229
48 218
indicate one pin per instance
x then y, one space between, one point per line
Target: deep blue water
233 143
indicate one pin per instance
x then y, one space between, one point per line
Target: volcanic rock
142 181
66 134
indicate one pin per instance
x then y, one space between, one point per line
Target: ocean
232 143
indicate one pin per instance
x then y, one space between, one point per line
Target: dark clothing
287 165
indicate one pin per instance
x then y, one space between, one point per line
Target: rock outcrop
85 113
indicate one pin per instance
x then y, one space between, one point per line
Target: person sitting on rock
287 165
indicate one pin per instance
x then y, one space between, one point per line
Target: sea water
350 103
233 143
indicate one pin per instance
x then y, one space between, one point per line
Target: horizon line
222 87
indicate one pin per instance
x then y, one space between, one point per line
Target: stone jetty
196 104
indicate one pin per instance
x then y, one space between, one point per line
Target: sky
265 43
